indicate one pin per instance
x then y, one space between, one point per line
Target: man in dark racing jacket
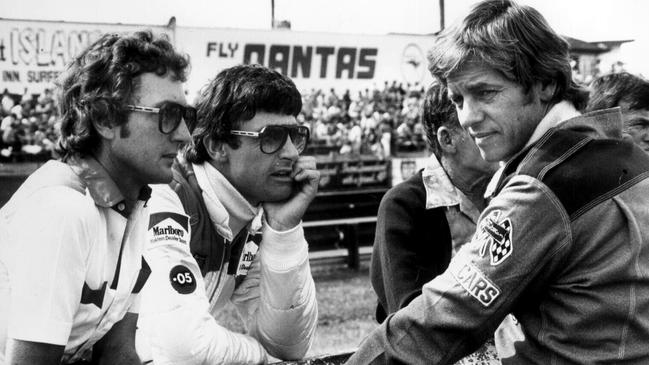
563 244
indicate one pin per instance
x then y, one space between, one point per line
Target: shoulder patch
475 283
495 231
169 226
182 279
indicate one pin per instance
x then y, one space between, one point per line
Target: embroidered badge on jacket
496 232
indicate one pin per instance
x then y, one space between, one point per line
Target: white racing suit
199 266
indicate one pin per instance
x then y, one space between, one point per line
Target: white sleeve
175 326
45 254
277 299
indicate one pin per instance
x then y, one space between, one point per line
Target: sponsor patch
496 232
168 226
475 283
247 255
182 279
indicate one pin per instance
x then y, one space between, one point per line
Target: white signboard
33 53
312 60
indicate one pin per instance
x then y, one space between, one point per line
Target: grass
346 304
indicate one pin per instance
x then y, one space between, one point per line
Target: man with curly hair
72 236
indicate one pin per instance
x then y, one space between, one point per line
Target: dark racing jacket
563 245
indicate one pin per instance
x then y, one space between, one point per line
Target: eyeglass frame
288 135
155 110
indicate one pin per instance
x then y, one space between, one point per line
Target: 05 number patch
182 279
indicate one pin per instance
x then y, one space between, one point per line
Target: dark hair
437 111
235 96
99 82
512 39
611 90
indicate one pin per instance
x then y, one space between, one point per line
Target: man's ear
546 91
105 129
216 149
446 140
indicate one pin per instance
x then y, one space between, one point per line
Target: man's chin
279 194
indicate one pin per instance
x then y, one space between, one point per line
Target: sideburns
125 131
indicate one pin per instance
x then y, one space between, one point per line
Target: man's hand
284 215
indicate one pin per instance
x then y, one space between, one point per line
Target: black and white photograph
304 182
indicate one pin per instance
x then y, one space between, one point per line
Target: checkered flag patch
496 232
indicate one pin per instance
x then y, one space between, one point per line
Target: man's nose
470 114
181 134
289 150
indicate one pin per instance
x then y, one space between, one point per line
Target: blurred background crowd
29 127
381 121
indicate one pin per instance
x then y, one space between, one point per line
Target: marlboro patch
168 226
247 256
495 232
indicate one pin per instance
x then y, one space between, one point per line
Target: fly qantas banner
33 53
312 60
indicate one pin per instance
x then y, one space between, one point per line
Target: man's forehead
153 89
473 75
263 118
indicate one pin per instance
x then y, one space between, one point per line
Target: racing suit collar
440 191
100 185
237 212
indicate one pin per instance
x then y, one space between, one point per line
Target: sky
589 20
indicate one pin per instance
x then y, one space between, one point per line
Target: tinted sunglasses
273 137
169 115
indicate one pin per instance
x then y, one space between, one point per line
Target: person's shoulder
580 170
53 183
411 189
164 198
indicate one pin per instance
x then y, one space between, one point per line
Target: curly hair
512 39
99 82
437 111
234 96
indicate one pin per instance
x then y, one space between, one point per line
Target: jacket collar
440 191
605 123
100 185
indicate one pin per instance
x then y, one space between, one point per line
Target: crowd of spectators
383 121
29 127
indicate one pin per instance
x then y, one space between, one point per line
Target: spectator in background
423 221
7 102
631 94
235 206
72 236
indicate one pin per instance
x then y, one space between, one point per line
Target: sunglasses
169 115
273 137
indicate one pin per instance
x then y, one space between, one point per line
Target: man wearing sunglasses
72 236
228 229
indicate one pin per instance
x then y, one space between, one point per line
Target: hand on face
284 215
